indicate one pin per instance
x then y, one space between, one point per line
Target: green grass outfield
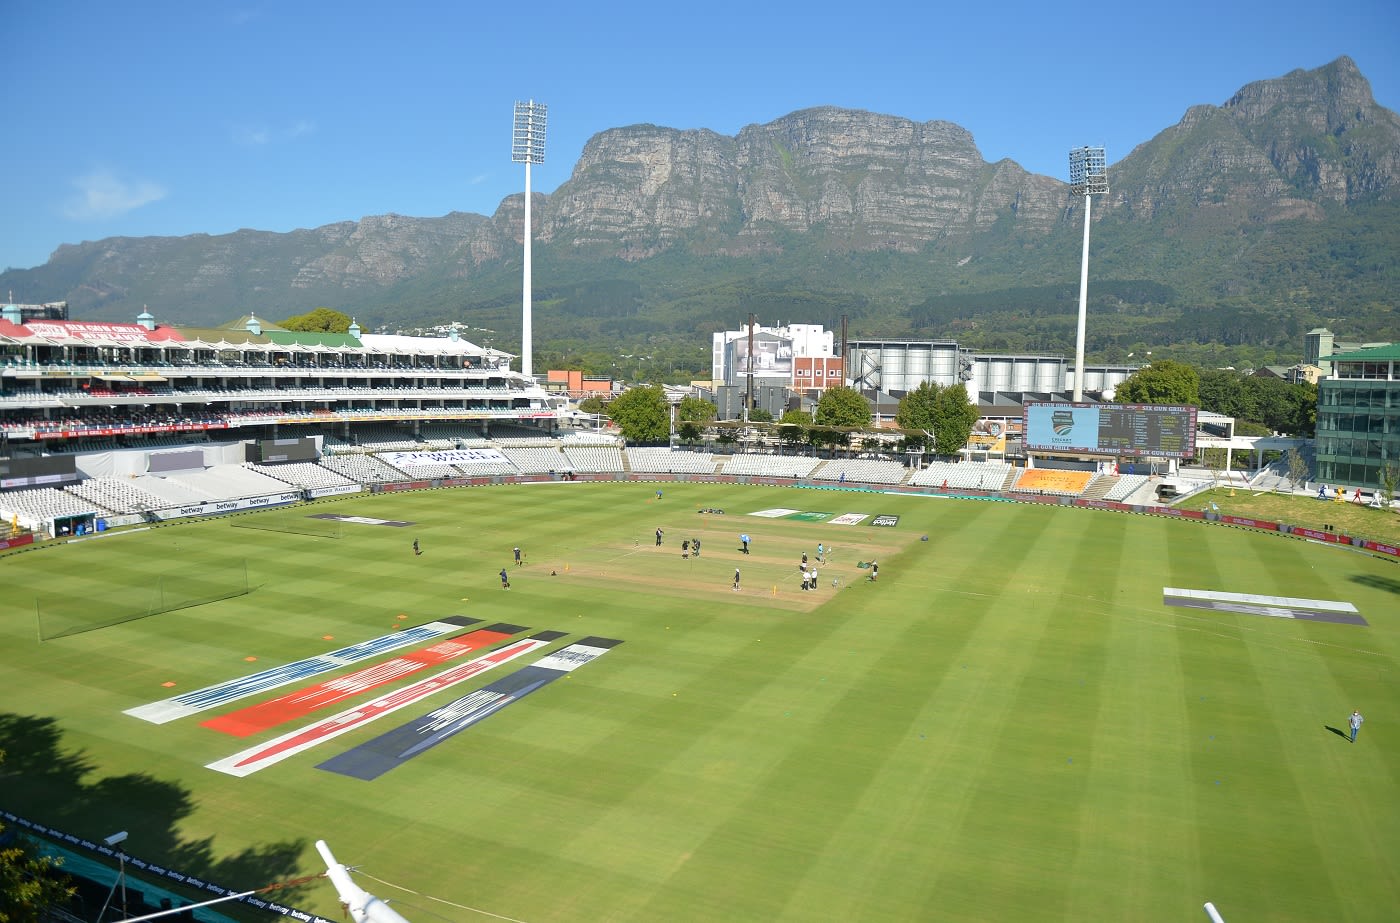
1009 726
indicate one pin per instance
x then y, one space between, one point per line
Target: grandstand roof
1373 354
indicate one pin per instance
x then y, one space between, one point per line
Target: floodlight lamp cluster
527 141
1088 171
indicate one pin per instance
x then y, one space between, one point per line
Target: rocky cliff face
1278 149
867 181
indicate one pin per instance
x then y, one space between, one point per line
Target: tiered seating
538 460
229 482
455 434
861 471
1127 485
666 461
432 472
483 469
386 439
308 475
119 495
1053 481
45 503
588 437
771 466
504 434
363 469
597 459
965 475
524 442
172 493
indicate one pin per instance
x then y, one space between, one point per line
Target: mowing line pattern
189 703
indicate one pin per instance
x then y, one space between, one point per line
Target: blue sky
173 118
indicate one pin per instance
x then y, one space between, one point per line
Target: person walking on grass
415 547
505 579
517 555
1354 722
744 539
658 536
736 578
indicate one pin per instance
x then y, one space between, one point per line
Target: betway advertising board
214 507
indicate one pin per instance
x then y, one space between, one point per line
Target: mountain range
1223 238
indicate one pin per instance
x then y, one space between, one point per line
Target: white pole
363 906
181 909
1083 309
1214 915
526 331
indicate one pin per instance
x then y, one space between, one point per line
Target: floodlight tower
1088 176
527 147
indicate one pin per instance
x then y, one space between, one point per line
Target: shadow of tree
1388 584
42 782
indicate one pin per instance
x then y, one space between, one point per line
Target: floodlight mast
1088 176
363 906
527 147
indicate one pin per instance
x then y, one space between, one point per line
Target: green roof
1374 354
290 337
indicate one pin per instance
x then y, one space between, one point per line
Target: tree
843 407
689 432
695 410
795 417
954 417
760 415
792 428
916 413
1390 482
1164 382
30 884
592 404
642 414
1223 391
320 320
1297 467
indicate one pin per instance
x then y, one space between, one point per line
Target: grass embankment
1347 518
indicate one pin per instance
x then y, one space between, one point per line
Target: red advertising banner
1378 547
1252 523
1332 537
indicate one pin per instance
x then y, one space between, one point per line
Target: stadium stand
595 459
228 482
117 494
1127 485
771 466
538 460
861 471
45 503
307 475
966 475
364 469
663 461
1053 481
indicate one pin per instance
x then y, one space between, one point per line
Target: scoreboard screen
273 451
1128 430
41 471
